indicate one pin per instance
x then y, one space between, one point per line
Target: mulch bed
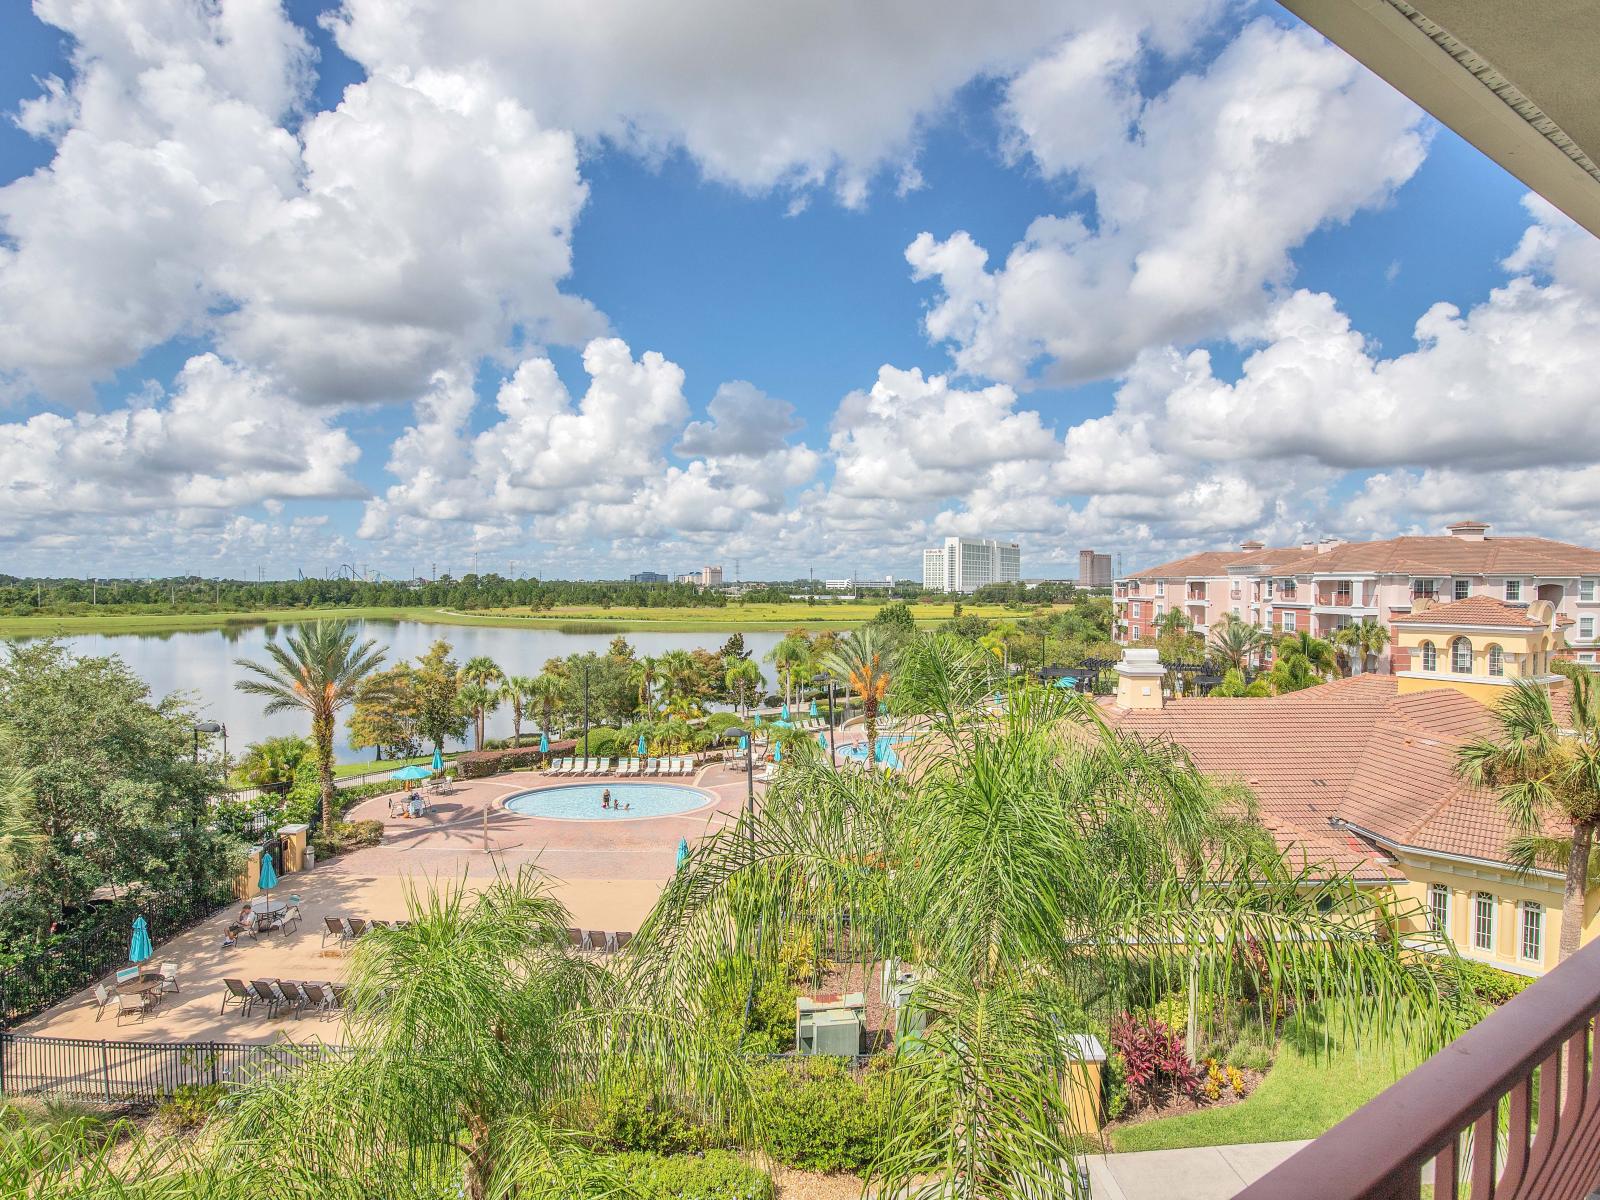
1176 1106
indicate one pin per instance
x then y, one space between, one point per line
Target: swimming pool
885 744
581 801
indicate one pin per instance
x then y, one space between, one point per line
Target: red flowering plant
1156 1064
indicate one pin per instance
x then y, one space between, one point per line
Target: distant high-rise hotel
706 577
967 564
1094 570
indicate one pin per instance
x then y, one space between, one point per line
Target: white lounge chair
555 766
597 766
684 766
632 768
655 767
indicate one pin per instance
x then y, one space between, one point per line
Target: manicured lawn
576 619
365 766
1305 1094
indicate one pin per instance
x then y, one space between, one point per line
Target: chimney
1468 531
1251 546
1329 543
1139 677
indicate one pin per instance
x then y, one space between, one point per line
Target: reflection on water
201 665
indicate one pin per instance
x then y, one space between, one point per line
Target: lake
200 664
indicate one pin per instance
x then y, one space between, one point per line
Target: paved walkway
1203 1173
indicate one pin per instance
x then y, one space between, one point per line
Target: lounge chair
102 997
573 766
267 993
235 992
340 994
318 995
169 976
333 927
685 766
631 767
620 940
580 766
655 767
560 766
134 1006
597 939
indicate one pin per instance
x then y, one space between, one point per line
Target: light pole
833 737
733 733
209 727
586 710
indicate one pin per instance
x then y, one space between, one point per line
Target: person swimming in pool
605 798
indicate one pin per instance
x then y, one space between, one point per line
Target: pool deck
608 872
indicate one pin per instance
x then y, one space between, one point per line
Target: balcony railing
1511 1107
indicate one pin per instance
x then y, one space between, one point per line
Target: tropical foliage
318 669
1236 643
1546 773
865 660
274 760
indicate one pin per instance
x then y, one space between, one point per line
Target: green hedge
477 764
815 1114
714 1175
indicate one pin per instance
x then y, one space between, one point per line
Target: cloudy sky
588 288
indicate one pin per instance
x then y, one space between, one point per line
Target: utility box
899 985
830 1024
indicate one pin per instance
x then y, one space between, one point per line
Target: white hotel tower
967 564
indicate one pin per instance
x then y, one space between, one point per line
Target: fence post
5 1048
216 1062
105 1068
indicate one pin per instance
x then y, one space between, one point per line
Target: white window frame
1430 656
1286 620
1530 920
1344 592
1514 591
1462 589
1455 667
1497 661
1586 627
1161 589
1424 587
1484 914
1439 908
1586 590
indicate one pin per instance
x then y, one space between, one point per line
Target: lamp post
833 737
586 710
209 727
733 733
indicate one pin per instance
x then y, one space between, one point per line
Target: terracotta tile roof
1452 556
1474 610
1216 562
1353 752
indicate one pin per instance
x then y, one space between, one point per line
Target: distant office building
1094 570
859 585
967 564
647 577
706 577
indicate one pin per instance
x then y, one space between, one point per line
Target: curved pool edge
708 800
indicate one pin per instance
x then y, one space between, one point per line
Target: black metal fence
55 969
118 1072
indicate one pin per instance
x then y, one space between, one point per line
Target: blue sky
250 318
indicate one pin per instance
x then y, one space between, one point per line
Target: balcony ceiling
1516 78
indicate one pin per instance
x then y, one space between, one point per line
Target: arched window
1497 661
1461 656
1430 657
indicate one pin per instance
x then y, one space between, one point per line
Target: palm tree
1237 643
19 833
1373 641
478 700
865 660
485 673
679 675
744 679
984 869
1546 777
792 654
515 692
1359 644
318 668
545 694
274 760
1316 653
645 674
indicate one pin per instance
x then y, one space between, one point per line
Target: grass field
578 619
1305 1094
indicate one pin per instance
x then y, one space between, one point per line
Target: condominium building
1094 570
967 564
1321 586
706 577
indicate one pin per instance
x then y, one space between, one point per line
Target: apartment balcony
1196 595
1511 1108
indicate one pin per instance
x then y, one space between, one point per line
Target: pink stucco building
1322 585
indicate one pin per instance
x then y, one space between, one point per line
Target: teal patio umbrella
438 761
642 751
683 850
777 751
544 742
411 773
813 708
744 743
269 876
785 710
140 949
822 740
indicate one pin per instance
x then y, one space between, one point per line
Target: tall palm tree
319 669
478 700
515 692
485 673
1359 644
646 674
1374 639
1315 652
1547 778
19 834
865 659
544 694
984 868
744 680
1236 643
679 675
792 655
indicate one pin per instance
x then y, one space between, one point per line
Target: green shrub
629 1120
1491 985
714 1175
190 1105
814 1114
478 763
345 836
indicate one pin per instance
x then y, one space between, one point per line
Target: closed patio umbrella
438 761
813 708
140 949
642 751
683 850
777 751
785 710
822 740
544 743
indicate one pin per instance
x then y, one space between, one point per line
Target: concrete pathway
1202 1173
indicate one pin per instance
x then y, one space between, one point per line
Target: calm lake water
201 664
